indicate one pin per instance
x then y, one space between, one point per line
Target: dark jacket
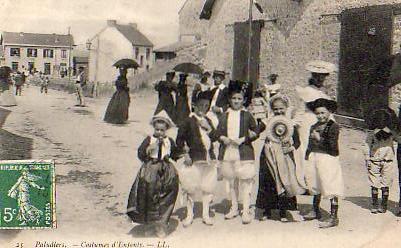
328 143
144 157
190 135
247 122
222 99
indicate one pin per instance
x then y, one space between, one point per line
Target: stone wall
302 32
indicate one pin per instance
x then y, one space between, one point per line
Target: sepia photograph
200 123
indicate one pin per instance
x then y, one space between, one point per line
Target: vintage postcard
200 123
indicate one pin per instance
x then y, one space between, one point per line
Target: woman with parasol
117 110
7 98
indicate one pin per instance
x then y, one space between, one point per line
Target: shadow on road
365 202
12 147
145 231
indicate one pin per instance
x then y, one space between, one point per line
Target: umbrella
127 63
188 68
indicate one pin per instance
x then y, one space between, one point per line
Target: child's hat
330 105
162 116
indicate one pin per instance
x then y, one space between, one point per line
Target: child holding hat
154 192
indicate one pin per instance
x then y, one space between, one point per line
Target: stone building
355 35
191 28
117 41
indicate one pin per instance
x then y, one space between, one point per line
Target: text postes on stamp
27 194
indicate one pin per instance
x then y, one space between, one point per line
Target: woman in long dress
281 175
117 110
7 97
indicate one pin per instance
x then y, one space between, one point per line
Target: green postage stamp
27 194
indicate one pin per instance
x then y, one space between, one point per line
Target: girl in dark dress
154 192
280 175
117 110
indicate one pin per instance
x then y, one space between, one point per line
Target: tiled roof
134 35
54 40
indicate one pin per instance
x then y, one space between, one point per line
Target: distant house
116 41
169 52
48 53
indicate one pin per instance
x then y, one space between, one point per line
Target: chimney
133 24
111 23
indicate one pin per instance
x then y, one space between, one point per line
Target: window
64 54
147 53
14 52
47 70
136 52
14 66
141 63
32 52
47 53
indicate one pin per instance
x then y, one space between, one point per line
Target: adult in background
182 108
19 81
7 97
202 86
79 84
306 118
167 90
117 110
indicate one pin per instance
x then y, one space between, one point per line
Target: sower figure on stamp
200 173
21 191
154 192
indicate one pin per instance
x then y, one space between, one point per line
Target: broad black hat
330 105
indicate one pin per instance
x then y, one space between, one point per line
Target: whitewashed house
114 42
48 53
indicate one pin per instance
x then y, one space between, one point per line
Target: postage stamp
27 194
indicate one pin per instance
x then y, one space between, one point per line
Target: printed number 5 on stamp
27 194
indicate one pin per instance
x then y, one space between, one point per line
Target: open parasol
127 63
279 128
188 68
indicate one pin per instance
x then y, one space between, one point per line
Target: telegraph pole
69 54
250 42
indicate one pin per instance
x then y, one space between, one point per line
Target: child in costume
154 192
236 131
200 173
325 175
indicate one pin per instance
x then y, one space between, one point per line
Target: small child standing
380 158
200 173
155 189
236 131
325 175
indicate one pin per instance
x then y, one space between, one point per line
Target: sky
157 19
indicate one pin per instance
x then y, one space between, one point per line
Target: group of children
191 161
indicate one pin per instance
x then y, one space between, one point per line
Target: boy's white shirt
233 133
